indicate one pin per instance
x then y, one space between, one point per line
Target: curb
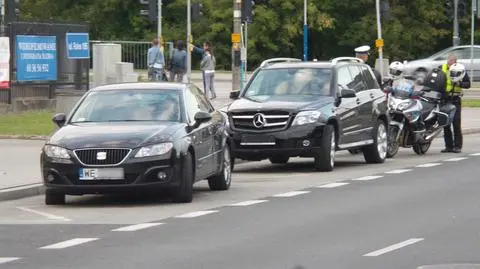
21 192
24 137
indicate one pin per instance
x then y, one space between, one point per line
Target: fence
70 73
134 51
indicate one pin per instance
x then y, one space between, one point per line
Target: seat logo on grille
101 156
259 120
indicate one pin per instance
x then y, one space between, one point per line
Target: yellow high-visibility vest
449 85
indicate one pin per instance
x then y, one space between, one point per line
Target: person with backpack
178 62
207 65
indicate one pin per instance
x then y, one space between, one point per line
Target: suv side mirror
59 119
348 93
201 117
234 95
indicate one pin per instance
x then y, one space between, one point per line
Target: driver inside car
296 84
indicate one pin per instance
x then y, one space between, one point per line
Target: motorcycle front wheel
421 148
393 145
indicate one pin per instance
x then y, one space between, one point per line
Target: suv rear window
290 82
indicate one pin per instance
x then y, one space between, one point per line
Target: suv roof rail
278 60
347 59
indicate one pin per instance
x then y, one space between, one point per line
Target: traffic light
449 9
462 9
152 10
247 11
12 10
385 9
197 11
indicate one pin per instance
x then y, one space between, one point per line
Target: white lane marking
43 214
196 214
69 243
393 247
455 159
247 203
398 171
136 227
8 259
367 178
475 154
426 165
290 194
333 185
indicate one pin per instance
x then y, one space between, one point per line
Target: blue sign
78 46
36 57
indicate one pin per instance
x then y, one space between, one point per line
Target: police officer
363 52
457 78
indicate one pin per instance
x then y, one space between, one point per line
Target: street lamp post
189 41
305 32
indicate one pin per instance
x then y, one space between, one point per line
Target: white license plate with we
101 173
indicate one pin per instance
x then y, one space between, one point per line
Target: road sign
379 43
236 38
78 46
36 57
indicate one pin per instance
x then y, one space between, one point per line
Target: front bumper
299 141
140 175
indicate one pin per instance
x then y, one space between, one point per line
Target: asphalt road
408 212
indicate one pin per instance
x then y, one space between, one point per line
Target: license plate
101 173
257 140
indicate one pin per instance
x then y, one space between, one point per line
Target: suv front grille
101 156
260 121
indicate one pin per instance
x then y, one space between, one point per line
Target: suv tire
377 152
54 198
325 158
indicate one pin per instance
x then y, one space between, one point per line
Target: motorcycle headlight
306 117
412 116
391 104
154 150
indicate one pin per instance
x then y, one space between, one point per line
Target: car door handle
358 101
372 95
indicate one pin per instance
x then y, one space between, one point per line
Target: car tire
377 152
54 198
279 159
222 181
325 159
184 192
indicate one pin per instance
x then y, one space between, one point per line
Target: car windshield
131 105
290 83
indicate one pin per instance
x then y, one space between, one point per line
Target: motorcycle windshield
403 88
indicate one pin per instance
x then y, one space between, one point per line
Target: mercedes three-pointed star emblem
259 120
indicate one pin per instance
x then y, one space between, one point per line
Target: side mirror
348 93
59 119
234 95
201 117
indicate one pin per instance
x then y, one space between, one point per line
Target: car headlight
227 120
154 150
306 117
56 152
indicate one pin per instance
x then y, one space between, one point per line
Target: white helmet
396 69
457 72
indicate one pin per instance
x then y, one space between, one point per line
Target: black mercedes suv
309 109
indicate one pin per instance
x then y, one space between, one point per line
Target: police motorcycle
416 112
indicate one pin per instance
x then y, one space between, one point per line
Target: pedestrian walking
178 62
155 62
207 65
202 51
457 79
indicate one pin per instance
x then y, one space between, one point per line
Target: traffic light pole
379 33
456 38
472 37
305 32
159 23
189 40
237 25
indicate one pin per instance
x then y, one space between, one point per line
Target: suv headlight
154 150
56 152
306 117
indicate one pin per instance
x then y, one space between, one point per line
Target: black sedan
137 137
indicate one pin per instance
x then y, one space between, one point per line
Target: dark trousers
455 140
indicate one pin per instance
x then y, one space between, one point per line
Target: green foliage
414 29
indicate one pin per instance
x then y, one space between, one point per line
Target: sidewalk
20 164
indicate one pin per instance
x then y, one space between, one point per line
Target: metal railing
134 51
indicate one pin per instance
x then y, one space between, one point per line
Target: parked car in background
422 66
309 109
137 137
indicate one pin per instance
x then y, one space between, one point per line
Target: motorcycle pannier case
445 116
436 81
